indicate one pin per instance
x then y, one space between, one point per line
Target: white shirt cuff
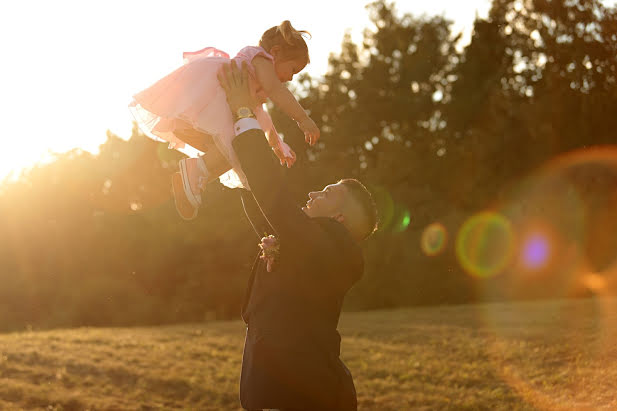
245 124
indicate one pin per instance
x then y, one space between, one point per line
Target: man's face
327 202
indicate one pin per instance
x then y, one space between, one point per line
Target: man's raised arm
259 164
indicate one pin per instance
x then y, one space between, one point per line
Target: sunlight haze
70 68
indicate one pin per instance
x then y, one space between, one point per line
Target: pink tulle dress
193 95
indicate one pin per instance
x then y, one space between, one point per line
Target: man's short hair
361 194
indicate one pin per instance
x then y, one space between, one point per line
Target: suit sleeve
271 192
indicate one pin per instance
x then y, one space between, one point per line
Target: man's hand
235 82
270 251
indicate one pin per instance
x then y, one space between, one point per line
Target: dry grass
540 355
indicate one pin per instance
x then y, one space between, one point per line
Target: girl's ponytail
291 35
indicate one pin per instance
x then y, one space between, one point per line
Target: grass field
534 355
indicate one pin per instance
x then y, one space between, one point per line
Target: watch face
244 112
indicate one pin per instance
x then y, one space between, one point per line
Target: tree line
438 132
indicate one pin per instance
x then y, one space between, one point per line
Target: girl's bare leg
216 165
213 159
201 141
215 162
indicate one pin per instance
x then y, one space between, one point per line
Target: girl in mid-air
189 107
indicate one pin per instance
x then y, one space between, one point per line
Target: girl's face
285 69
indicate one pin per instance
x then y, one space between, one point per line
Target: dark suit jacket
292 347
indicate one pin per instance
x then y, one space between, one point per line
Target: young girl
189 107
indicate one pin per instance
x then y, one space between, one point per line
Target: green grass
534 355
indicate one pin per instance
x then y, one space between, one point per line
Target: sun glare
75 65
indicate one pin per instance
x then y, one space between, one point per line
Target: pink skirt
192 94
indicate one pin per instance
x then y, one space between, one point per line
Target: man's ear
339 217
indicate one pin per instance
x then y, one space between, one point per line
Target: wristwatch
244 112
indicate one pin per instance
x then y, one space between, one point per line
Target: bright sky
70 67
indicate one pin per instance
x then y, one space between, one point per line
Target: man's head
349 203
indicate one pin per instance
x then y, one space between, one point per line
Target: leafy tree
436 133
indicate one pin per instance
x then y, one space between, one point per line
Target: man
293 302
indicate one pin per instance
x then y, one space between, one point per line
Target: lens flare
402 221
594 282
393 217
535 251
385 206
564 219
485 244
433 240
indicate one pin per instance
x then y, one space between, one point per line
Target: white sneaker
194 178
183 205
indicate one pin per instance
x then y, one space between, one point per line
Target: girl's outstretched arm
282 97
276 91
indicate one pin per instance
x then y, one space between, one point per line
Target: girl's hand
310 130
285 154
